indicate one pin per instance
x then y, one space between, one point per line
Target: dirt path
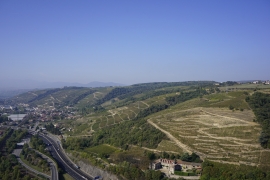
100 122
87 135
33 93
231 118
222 138
226 162
113 119
127 116
95 96
120 117
58 100
155 150
112 112
171 137
134 113
107 121
144 103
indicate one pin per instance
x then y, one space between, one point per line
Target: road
17 153
63 161
53 166
54 171
171 137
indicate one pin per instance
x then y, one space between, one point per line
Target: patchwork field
114 115
217 134
220 126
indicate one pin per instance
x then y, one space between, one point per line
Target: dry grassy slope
214 132
112 115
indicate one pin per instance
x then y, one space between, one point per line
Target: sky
132 42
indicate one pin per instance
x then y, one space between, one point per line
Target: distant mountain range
11 88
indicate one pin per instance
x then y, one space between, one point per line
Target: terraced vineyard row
218 134
125 113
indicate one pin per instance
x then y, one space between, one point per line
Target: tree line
3 119
125 92
132 172
4 137
147 95
184 157
260 104
213 170
38 144
12 141
184 96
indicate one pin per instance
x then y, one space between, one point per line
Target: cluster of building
48 115
6 108
267 82
174 165
23 111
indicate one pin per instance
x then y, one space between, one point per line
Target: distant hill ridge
82 96
31 84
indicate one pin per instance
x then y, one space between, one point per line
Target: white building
16 117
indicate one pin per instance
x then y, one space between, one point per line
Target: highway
63 161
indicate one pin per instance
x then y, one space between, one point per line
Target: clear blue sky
134 41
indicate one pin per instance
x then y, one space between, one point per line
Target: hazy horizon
134 42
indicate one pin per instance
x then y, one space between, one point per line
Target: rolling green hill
164 119
82 96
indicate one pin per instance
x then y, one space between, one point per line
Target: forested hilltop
123 129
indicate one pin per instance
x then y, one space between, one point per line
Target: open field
102 149
245 86
169 146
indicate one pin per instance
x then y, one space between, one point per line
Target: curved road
33 170
63 161
53 166
54 171
17 153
